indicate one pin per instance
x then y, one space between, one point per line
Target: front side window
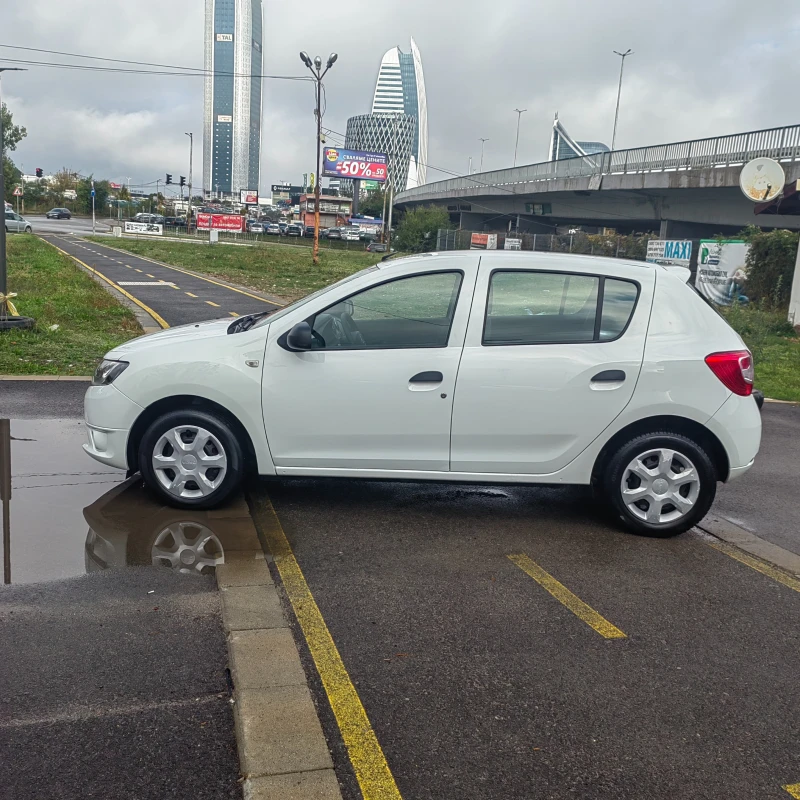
405 313
540 308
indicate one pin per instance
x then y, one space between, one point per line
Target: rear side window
556 308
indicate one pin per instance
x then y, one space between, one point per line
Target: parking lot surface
483 679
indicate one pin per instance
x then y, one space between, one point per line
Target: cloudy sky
698 69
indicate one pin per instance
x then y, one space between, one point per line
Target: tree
372 204
84 190
417 231
12 136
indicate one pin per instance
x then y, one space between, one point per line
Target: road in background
82 225
177 296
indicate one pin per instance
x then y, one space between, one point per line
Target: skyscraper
400 89
232 125
562 145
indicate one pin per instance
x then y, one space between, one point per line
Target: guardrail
782 144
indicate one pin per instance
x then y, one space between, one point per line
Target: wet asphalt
179 297
477 681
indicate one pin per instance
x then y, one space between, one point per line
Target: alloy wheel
660 486
187 547
189 461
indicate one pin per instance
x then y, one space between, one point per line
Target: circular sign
762 180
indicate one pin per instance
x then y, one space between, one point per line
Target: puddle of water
67 514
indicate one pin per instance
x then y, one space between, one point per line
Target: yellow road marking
196 275
216 305
190 294
567 598
137 269
793 789
374 777
233 313
765 568
149 275
157 317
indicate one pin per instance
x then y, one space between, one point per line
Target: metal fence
782 144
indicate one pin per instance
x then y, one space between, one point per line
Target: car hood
196 330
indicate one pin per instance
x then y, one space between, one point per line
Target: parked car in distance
175 222
59 213
273 229
377 247
17 224
294 230
255 227
334 233
493 367
283 226
350 234
309 231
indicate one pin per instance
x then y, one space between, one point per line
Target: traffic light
39 172
169 178
183 181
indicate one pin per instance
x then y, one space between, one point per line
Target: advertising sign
114 185
721 270
670 252
512 244
144 227
483 241
249 197
224 118
339 163
220 222
224 37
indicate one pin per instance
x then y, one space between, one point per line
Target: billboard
670 252
249 197
144 227
220 222
339 163
483 241
721 270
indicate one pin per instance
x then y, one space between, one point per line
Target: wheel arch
671 424
179 403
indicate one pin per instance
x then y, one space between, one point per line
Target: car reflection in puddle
128 528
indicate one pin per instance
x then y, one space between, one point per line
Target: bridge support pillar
794 299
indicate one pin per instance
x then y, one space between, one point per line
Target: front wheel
660 484
192 459
28 229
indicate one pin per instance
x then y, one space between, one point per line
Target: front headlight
108 371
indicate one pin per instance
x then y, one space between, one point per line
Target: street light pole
189 212
315 67
520 112
623 56
483 142
6 320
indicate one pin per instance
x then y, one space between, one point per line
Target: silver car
17 224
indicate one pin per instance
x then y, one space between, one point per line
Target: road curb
283 752
739 537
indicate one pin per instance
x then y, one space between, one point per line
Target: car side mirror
298 339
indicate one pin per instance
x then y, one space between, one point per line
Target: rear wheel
192 459
660 484
28 229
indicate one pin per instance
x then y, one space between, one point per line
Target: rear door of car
551 357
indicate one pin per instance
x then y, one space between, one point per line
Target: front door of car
375 389
550 359
12 221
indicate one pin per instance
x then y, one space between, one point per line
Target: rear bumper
737 424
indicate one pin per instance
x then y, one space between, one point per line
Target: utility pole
6 320
483 142
623 56
520 112
189 212
393 161
315 68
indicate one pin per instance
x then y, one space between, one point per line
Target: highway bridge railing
782 144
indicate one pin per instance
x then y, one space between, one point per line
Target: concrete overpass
684 189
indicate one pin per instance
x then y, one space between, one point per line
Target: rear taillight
734 369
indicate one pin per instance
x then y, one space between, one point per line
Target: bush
417 232
757 326
770 266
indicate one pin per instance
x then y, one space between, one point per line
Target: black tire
684 447
28 229
215 424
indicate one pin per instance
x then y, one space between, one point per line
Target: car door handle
609 376
427 377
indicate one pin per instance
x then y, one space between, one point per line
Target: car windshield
303 300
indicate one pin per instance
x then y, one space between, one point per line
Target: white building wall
420 166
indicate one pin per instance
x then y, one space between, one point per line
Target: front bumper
109 417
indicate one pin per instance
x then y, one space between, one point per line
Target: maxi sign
357 164
220 222
670 252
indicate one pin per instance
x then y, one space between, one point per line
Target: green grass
282 270
53 290
775 347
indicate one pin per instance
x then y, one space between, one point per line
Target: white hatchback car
482 367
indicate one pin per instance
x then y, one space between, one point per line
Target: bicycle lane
176 296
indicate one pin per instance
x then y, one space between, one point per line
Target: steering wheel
337 328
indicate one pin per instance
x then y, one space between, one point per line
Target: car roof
560 262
